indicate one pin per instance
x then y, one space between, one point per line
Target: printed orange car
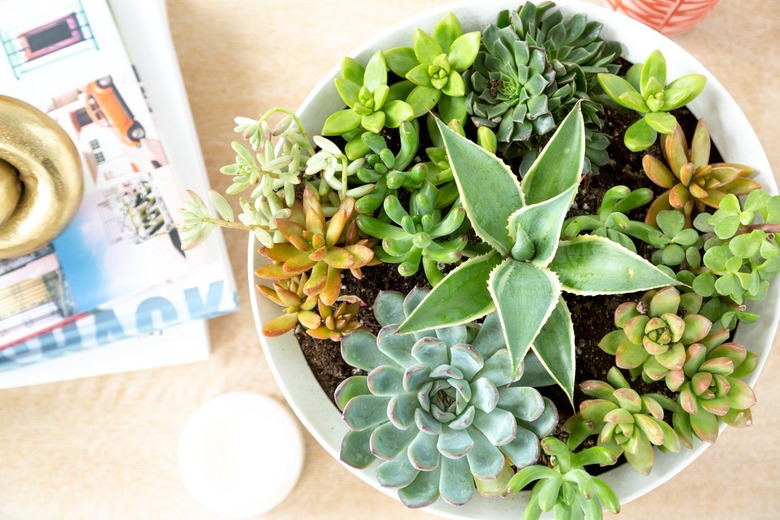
105 106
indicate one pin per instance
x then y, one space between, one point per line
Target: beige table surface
106 447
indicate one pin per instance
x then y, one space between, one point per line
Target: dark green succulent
576 52
507 87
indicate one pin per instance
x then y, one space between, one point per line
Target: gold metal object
41 180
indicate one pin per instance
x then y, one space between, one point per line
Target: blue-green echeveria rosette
441 409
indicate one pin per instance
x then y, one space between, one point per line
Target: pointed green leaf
554 347
614 85
542 222
425 47
653 77
464 51
348 90
447 30
401 60
396 112
590 265
352 70
446 305
661 122
639 136
376 72
683 90
525 296
423 99
341 122
488 189
559 165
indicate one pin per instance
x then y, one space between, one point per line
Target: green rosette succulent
506 87
434 65
372 104
652 337
421 235
527 267
645 91
633 424
443 410
576 53
566 488
713 390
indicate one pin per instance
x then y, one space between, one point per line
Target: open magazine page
118 270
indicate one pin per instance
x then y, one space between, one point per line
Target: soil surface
592 315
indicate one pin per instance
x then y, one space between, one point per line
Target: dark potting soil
592 315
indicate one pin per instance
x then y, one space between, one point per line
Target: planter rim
731 133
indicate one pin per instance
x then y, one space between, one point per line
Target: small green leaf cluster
611 221
567 488
372 104
644 90
421 235
625 422
741 256
434 65
444 410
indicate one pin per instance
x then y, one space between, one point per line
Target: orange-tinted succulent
335 323
297 306
689 178
319 247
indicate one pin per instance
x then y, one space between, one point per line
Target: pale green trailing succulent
372 104
742 257
713 391
443 410
611 221
331 170
627 423
567 488
528 268
576 53
655 332
435 64
421 235
645 91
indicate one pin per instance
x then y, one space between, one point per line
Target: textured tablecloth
105 447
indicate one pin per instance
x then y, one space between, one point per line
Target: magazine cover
118 270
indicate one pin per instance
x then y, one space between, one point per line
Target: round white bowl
731 133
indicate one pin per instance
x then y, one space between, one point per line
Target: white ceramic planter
731 133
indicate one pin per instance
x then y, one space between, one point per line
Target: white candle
240 454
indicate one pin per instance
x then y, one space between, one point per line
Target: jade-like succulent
675 243
567 488
620 416
443 409
576 52
386 171
506 87
691 181
611 221
413 238
372 104
435 64
713 390
743 257
318 246
644 90
652 337
527 268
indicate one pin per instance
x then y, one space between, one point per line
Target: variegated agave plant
525 274
443 409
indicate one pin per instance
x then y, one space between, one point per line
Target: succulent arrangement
466 154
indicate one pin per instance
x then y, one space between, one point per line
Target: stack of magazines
117 277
